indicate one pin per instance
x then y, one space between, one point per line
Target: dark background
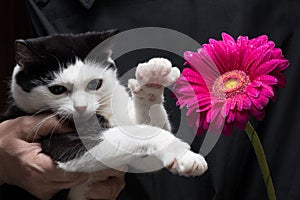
233 170
14 24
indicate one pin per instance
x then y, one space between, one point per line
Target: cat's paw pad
188 164
157 72
134 86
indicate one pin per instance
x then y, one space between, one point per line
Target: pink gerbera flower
230 80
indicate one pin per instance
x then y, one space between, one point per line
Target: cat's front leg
147 91
123 145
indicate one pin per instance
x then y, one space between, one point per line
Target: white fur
122 145
128 141
148 101
75 78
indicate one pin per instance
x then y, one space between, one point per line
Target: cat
54 74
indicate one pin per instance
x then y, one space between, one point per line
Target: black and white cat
53 74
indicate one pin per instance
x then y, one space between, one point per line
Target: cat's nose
80 108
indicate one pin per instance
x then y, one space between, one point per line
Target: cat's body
113 129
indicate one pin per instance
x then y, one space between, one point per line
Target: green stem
261 158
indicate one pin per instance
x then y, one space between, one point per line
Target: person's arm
23 164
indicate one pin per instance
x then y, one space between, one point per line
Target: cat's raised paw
188 164
156 73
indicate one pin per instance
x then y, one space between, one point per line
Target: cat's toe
161 62
157 72
160 66
173 76
189 164
134 86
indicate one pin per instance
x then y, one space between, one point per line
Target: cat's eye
57 89
94 84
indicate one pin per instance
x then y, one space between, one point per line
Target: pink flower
230 80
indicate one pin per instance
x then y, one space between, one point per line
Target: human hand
23 164
106 184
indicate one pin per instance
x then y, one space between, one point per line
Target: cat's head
54 74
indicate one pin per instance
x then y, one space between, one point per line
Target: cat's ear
103 51
23 52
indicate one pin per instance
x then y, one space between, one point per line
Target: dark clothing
233 169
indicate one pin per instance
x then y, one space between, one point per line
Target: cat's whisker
40 111
105 100
39 124
60 121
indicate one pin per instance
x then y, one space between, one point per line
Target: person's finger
45 164
69 184
108 189
67 177
41 125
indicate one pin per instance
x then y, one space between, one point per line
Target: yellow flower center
230 84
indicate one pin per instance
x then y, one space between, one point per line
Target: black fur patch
13 112
41 57
65 147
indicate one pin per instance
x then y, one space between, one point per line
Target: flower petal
267 67
220 52
231 51
276 53
209 73
283 64
267 79
257 103
233 104
241 120
258 56
231 116
214 111
256 83
256 42
259 114
204 106
239 102
267 91
246 102
263 100
226 108
228 39
242 42
227 129
281 79
252 92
